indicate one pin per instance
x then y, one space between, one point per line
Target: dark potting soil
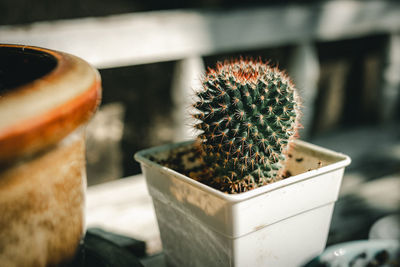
187 161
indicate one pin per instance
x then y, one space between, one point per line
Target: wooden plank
391 79
124 206
147 37
304 70
185 81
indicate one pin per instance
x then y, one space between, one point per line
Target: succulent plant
248 114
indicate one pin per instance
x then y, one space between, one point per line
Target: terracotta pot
46 97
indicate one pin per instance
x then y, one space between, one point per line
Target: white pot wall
201 226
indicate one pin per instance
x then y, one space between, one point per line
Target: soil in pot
187 161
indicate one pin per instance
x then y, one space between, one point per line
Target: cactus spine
248 113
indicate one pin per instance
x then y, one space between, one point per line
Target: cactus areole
248 114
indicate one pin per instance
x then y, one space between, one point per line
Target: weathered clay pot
46 97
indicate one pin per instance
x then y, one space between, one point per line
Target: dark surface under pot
100 248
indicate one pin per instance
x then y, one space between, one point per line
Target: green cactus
248 113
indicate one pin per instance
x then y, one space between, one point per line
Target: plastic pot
285 223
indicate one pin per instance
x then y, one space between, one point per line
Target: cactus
247 113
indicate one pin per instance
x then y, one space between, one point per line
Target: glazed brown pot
46 98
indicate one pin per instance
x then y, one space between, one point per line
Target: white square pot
285 223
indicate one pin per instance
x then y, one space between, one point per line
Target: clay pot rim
40 113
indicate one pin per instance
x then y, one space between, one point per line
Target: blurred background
344 57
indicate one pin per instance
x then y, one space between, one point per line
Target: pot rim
341 161
42 112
